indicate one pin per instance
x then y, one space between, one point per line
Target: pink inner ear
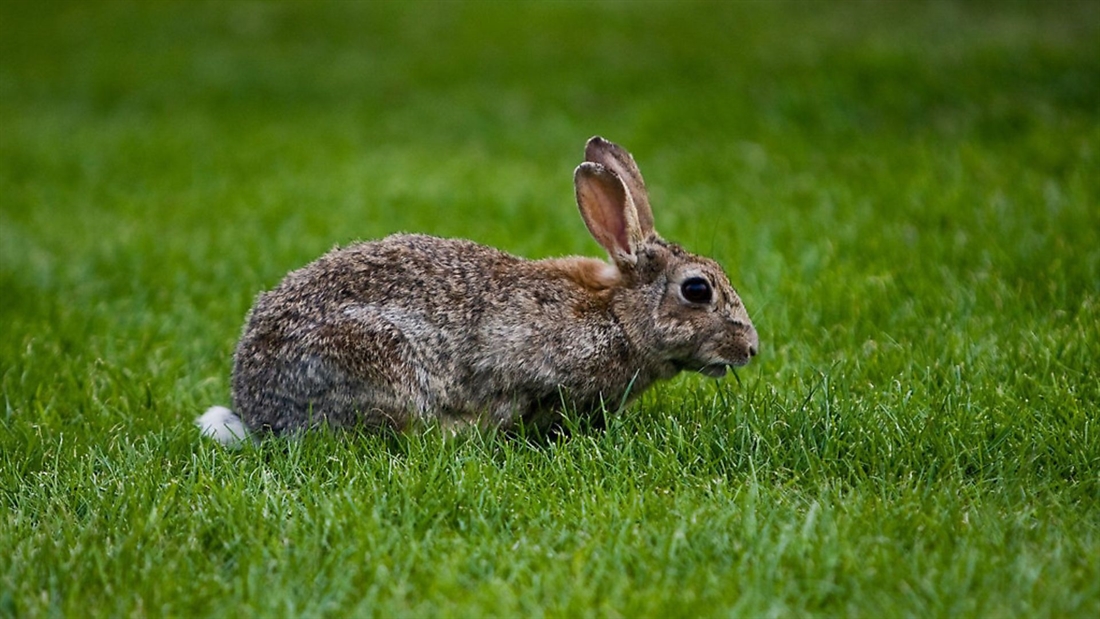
617 226
603 202
618 161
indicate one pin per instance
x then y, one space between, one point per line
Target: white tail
224 426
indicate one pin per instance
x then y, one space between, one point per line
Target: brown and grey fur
414 328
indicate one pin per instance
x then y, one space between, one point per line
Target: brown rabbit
417 328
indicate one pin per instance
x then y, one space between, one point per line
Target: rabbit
415 329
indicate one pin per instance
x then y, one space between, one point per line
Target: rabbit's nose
754 342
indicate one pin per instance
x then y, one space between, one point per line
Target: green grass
907 196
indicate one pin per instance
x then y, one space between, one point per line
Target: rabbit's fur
415 328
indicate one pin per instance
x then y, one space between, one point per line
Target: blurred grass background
905 194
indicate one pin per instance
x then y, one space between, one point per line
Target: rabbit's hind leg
368 378
346 373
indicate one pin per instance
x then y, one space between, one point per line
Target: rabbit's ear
608 211
615 158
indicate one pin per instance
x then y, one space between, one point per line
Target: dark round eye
696 290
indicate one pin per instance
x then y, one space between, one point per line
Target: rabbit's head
679 308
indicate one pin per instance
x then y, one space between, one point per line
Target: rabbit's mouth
716 369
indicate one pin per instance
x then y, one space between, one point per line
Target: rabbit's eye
696 290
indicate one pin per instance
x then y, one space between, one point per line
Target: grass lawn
907 196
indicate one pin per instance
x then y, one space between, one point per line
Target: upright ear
608 211
615 158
